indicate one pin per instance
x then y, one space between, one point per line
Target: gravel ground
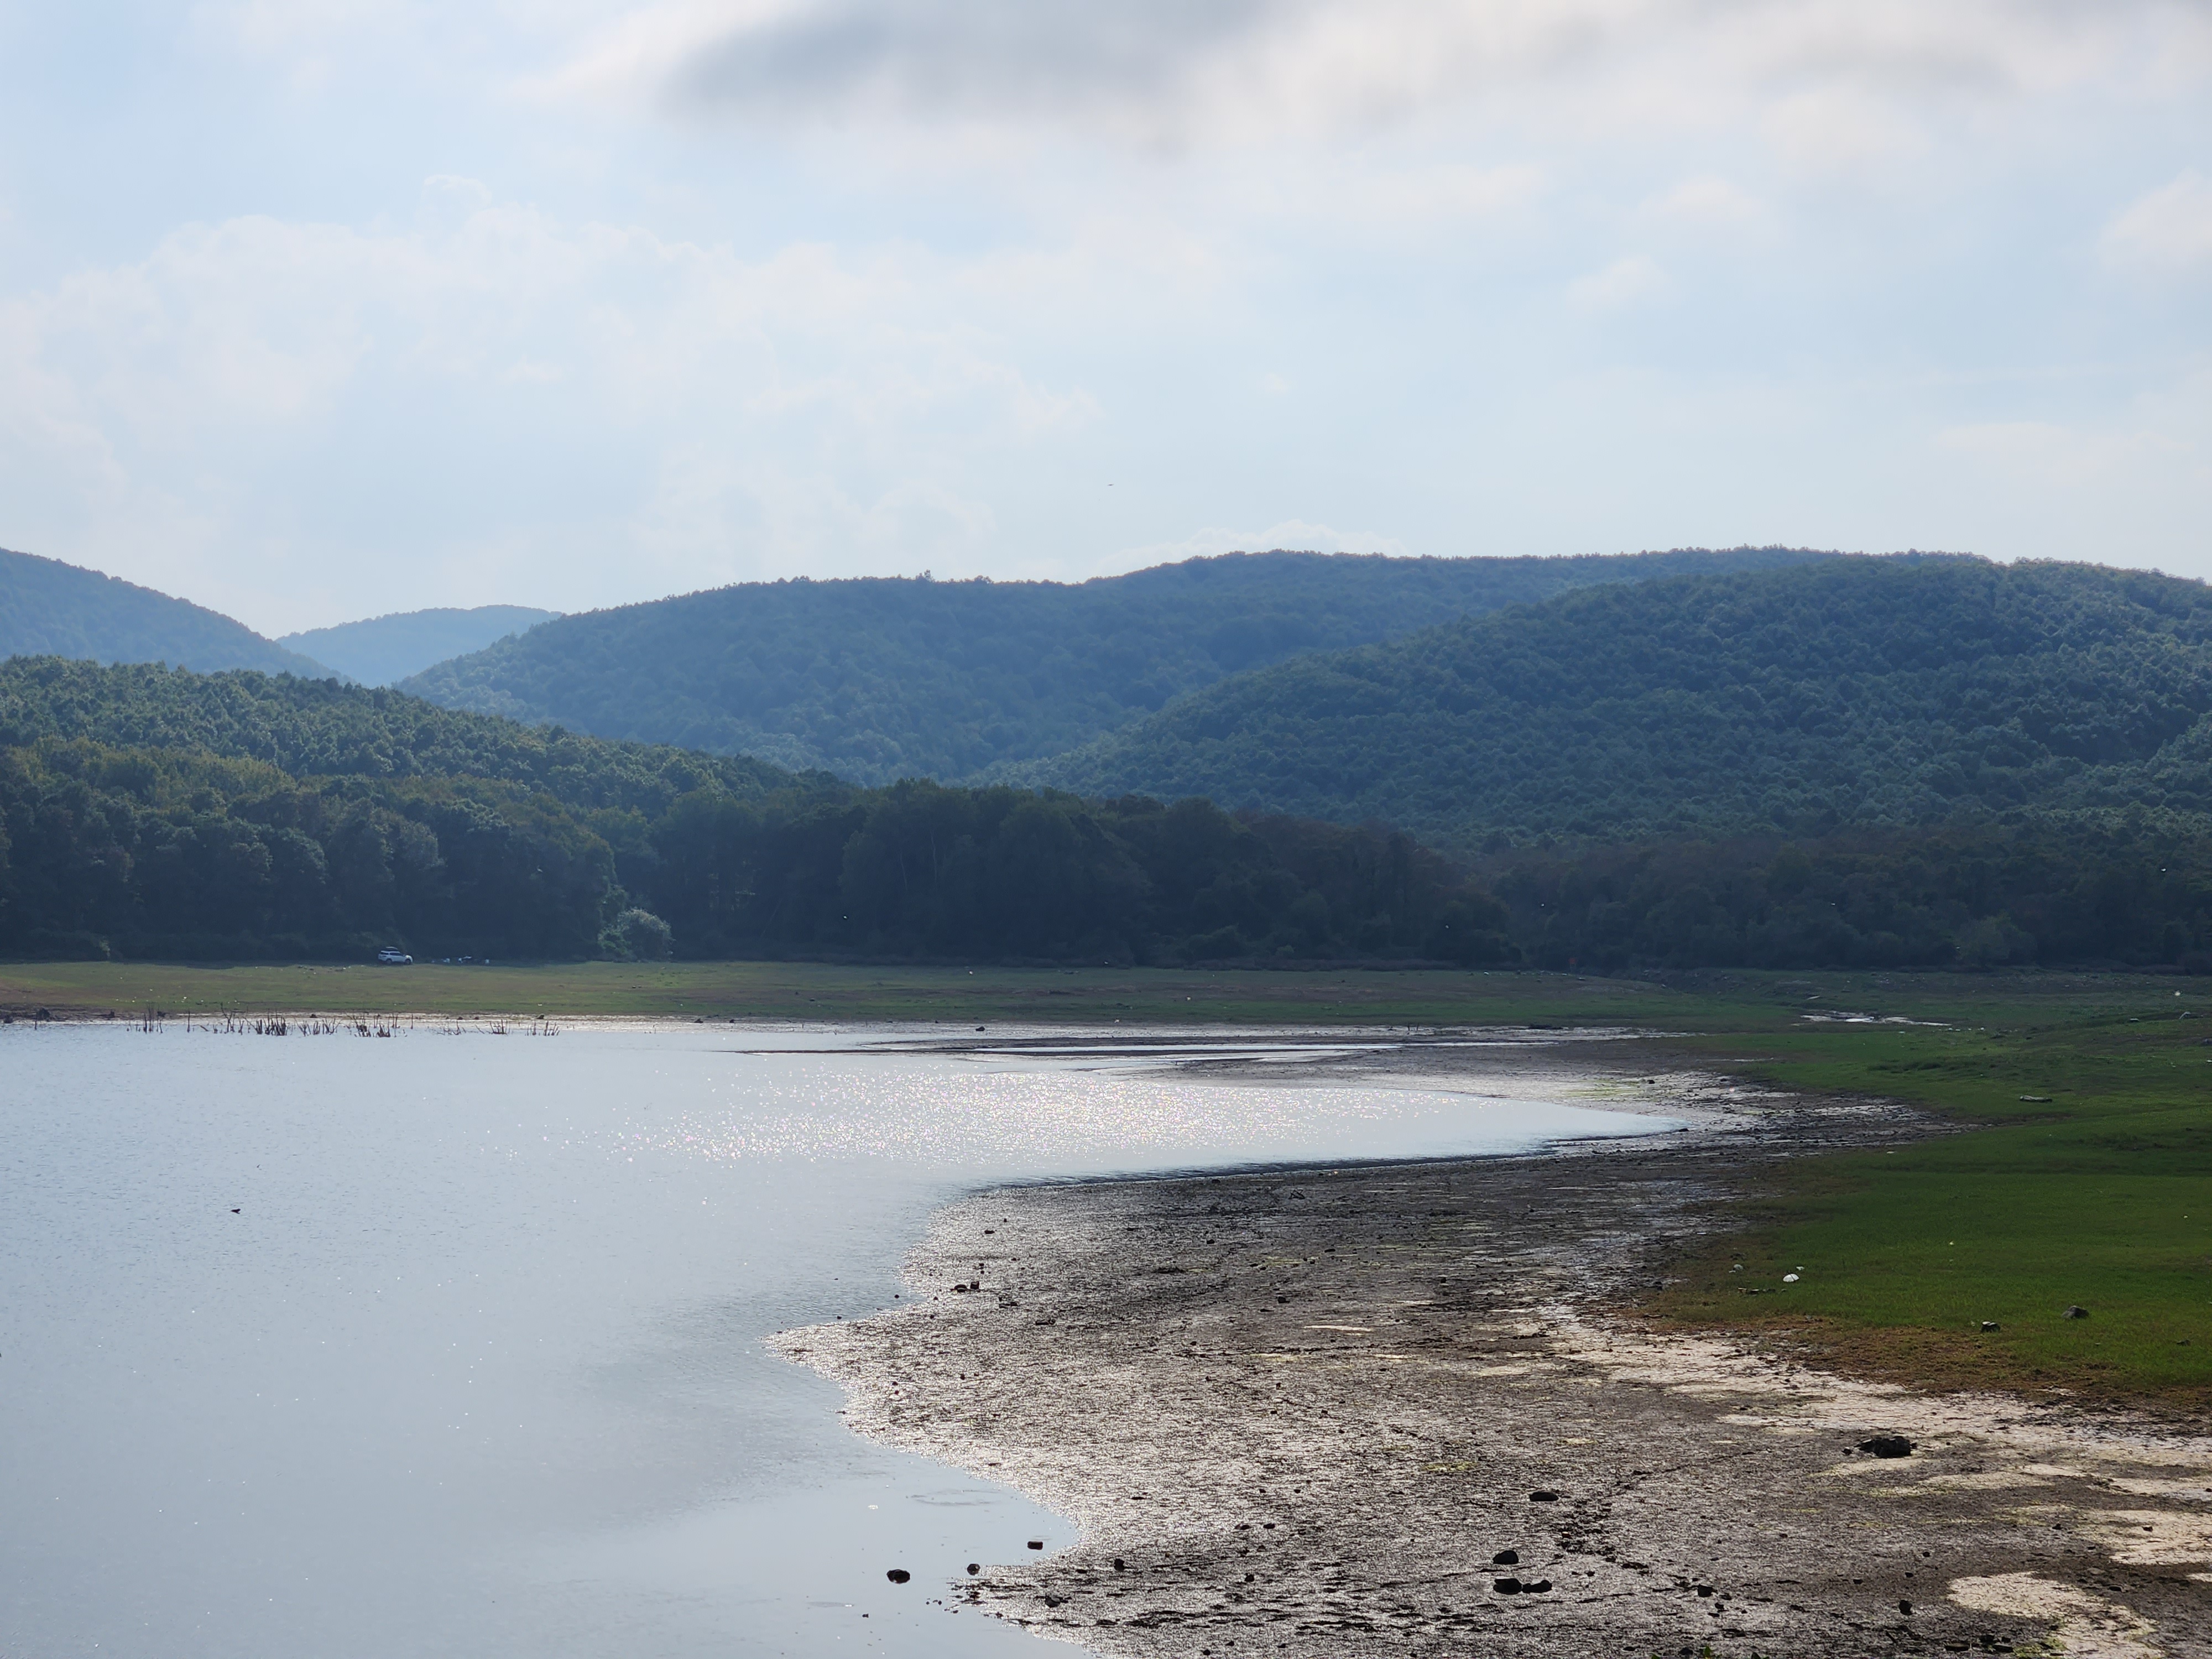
1304 1413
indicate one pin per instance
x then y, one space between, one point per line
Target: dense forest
383 650
1919 762
51 609
321 728
2099 887
880 680
150 854
150 812
1854 692
924 869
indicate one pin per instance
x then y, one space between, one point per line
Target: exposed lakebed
455 1343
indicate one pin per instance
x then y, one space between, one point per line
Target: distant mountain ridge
48 608
1852 692
877 678
385 650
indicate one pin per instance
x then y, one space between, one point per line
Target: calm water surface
452 1344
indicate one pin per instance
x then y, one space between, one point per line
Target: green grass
820 991
1746 1014
830 992
2098 1194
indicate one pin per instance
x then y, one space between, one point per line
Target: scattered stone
1543 1497
1506 1558
1542 1587
898 1575
1507 1587
1990 1325
2075 1313
974 1567
1120 1566
1036 1543
1905 1607
1887 1445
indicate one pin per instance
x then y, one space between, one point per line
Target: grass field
1723 1006
2096 1192
2083 1178
817 991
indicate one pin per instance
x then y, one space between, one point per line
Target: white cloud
758 415
1703 204
2118 490
1844 129
2165 233
2046 454
712 289
1834 75
1625 282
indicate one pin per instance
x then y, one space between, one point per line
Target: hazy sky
312 309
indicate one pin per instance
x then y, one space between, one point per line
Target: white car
394 956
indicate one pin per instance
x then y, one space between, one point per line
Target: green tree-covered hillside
1857 692
151 813
148 813
880 680
51 609
320 728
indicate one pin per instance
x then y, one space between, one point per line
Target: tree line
922 870
154 813
2123 887
154 853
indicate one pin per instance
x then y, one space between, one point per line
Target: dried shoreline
1297 1414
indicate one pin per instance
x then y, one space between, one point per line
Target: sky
318 309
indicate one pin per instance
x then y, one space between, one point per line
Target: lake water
451 1344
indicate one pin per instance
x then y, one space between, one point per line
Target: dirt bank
1299 1414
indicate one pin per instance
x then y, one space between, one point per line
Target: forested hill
320 728
152 812
1854 692
51 609
878 679
148 813
383 650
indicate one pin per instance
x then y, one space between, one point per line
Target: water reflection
447 1344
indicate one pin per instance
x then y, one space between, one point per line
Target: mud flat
1302 1413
